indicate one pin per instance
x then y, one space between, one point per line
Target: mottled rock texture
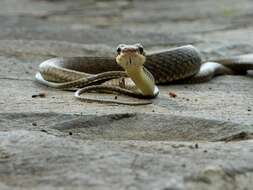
200 139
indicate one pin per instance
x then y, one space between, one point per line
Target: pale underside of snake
135 74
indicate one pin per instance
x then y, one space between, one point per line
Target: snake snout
129 50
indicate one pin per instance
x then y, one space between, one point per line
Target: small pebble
34 124
172 94
41 95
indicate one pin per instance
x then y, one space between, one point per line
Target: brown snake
182 64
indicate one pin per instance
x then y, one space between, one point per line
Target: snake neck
143 80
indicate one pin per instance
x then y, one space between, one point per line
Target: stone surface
201 139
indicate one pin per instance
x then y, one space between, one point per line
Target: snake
134 73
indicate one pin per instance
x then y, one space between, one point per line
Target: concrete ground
200 139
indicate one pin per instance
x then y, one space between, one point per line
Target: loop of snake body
182 64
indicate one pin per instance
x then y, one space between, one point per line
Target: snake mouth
133 59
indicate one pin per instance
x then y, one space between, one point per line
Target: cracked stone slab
155 164
127 126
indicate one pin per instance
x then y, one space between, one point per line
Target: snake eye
120 47
118 50
141 50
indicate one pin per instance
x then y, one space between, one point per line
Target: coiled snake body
182 64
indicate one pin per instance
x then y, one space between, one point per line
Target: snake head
130 56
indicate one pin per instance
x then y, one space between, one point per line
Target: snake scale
181 65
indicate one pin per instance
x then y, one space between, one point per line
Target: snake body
182 64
